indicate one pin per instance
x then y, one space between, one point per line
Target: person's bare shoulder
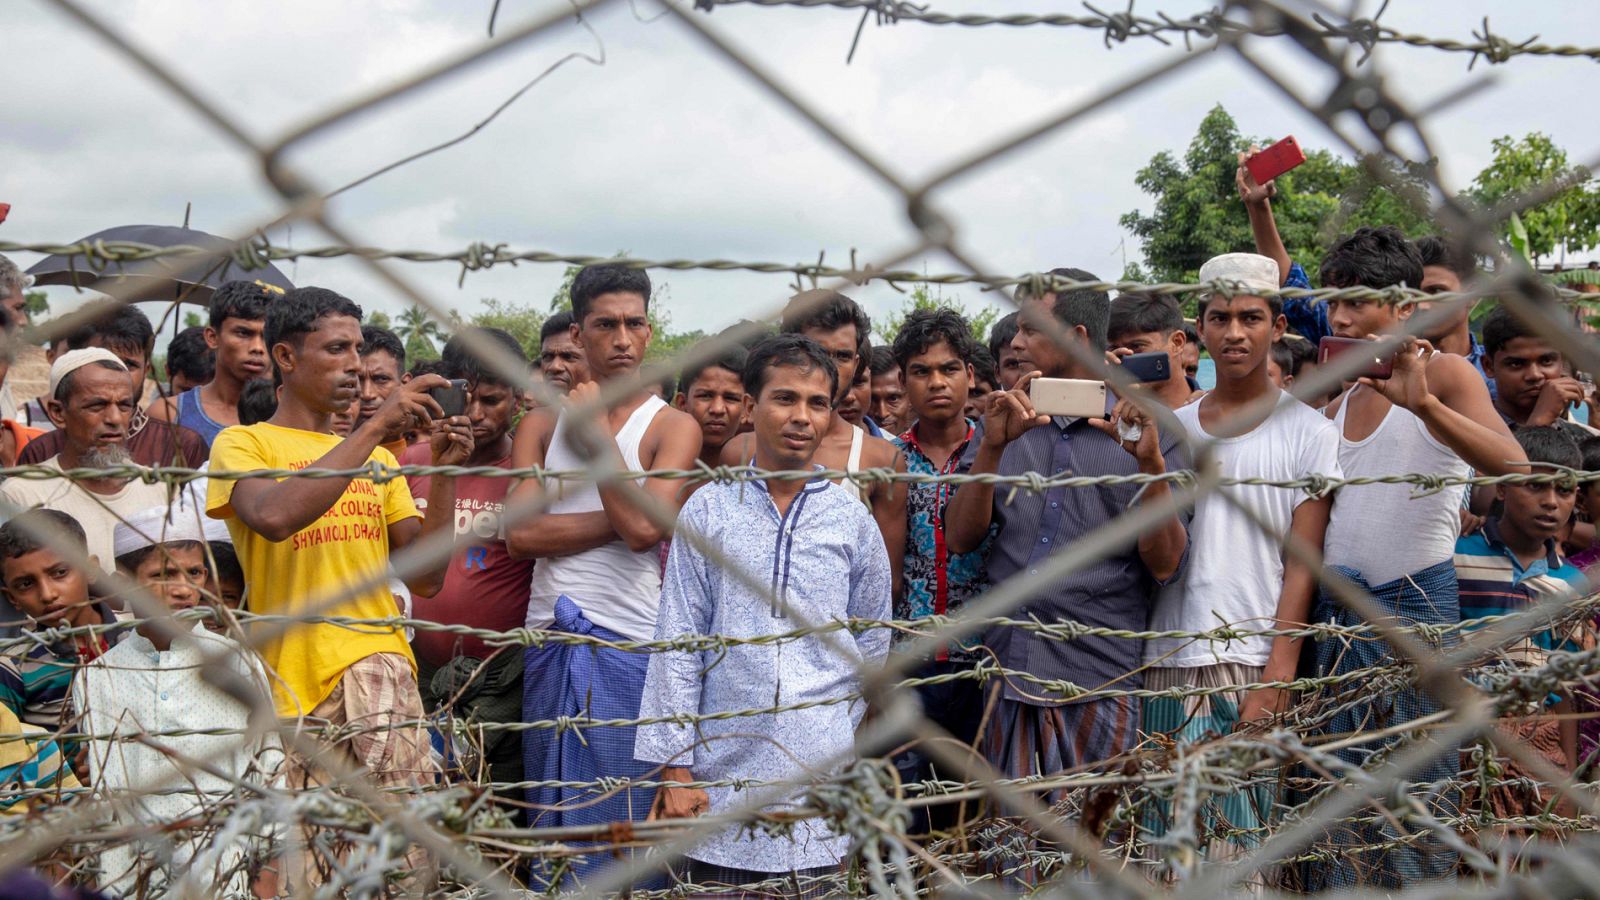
879 453
532 437
737 451
163 410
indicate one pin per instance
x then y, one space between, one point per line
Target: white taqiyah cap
1251 270
156 525
73 360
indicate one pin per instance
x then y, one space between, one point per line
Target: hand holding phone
1148 367
452 398
1068 397
1275 160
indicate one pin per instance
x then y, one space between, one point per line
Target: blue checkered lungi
587 682
1349 858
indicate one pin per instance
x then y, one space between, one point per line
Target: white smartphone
1068 397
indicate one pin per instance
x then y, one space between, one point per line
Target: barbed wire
99 256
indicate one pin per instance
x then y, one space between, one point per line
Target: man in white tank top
842 328
598 570
1432 416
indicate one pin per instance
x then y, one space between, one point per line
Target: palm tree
414 328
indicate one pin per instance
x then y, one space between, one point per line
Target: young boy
168 676
713 394
1514 563
1146 322
1237 572
238 315
52 591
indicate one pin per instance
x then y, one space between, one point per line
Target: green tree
521 322
380 319
191 319
36 303
921 298
418 332
1198 214
1569 220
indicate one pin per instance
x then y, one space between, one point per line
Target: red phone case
1275 160
5 210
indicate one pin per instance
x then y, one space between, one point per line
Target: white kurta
825 557
134 689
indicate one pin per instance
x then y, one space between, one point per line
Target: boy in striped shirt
1514 563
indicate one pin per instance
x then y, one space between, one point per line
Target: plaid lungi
583 682
1373 852
1232 820
374 695
1025 740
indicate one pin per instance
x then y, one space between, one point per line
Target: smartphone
5 210
452 398
1068 397
1275 160
1146 367
1331 348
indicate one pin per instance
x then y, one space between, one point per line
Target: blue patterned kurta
826 559
937 582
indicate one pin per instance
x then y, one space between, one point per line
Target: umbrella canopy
189 277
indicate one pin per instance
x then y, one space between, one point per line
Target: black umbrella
189 277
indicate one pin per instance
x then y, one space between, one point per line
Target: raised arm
1450 397
543 534
1309 318
277 510
450 444
971 510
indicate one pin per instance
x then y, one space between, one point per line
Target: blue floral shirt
937 582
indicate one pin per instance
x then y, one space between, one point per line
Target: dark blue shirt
1116 591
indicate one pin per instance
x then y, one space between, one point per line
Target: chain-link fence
1162 816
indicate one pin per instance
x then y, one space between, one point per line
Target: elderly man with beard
91 402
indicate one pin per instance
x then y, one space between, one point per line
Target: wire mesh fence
1450 789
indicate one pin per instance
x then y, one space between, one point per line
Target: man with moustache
817 547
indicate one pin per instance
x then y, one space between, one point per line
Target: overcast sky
667 150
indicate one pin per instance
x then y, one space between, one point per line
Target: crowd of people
284 381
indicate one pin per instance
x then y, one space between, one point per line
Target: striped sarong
583 682
1373 851
1231 820
1026 740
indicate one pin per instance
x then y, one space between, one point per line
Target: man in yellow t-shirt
321 546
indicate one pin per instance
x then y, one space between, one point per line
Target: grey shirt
1116 591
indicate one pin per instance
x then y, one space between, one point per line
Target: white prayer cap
1252 271
155 526
73 360
216 531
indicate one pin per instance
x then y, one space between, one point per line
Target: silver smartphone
1068 397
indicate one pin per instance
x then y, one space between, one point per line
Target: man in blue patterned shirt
935 349
791 555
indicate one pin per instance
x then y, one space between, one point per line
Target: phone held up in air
1377 365
452 398
1275 160
1068 397
1147 367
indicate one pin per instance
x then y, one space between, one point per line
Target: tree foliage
1198 213
920 298
418 332
1571 219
